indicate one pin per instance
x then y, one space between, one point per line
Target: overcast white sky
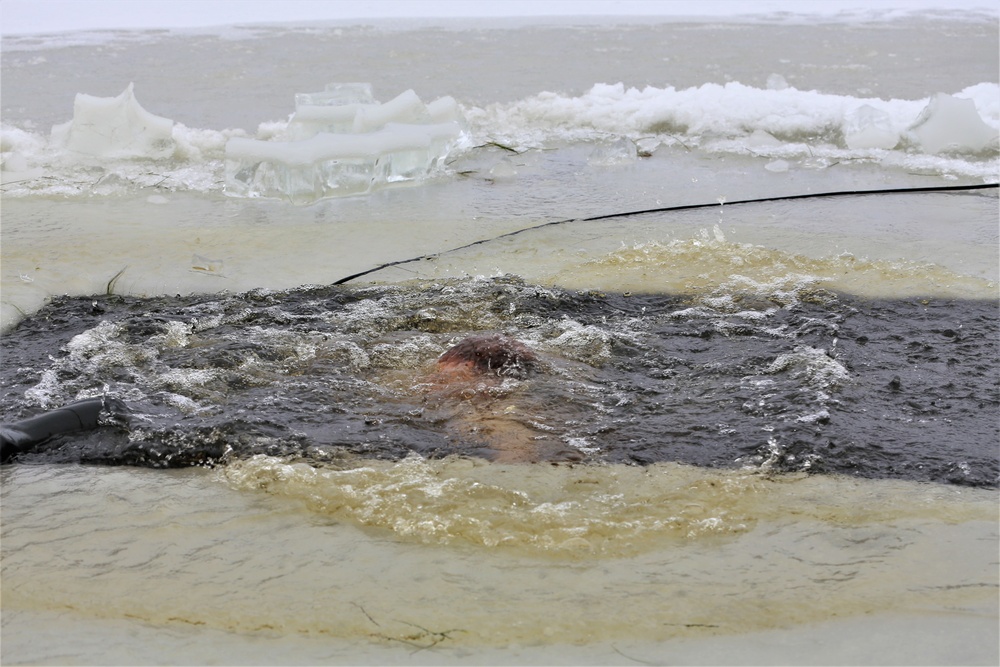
40 16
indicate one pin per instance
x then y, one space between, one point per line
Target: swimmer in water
489 355
470 370
468 382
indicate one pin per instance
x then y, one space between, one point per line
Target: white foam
583 342
46 392
814 365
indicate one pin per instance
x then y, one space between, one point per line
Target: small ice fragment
777 166
762 138
157 199
776 82
620 151
953 124
868 127
503 170
206 265
337 94
115 127
646 146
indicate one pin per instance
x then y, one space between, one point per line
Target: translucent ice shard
413 151
302 171
620 151
761 139
952 124
868 127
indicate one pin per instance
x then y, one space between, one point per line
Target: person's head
490 354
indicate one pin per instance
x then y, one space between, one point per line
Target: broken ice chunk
341 143
443 110
416 149
115 127
335 164
309 120
868 127
761 139
405 108
952 124
302 171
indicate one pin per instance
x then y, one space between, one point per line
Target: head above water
490 354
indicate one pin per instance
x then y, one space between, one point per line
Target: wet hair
492 354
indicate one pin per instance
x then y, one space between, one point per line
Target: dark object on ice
85 415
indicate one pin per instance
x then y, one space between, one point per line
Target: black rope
680 207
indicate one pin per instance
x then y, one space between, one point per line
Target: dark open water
815 381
